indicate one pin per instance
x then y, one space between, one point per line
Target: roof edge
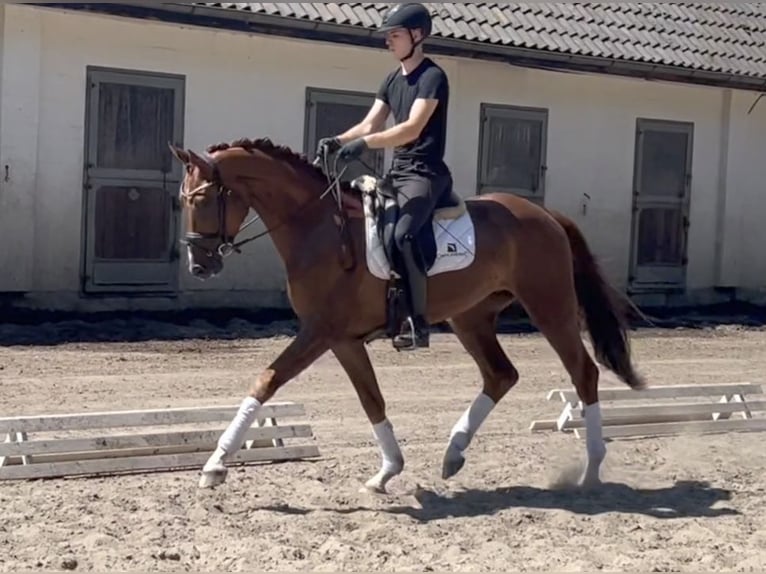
265 24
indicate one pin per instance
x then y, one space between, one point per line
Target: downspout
2 84
722 193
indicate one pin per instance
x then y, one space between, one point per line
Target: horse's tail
604 307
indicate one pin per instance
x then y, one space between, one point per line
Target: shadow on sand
52 329
683 500
28 327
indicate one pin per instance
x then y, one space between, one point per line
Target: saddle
381 214
379 200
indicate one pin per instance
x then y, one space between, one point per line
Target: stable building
641 121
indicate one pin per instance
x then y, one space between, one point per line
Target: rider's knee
403 237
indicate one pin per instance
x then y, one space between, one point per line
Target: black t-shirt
400 91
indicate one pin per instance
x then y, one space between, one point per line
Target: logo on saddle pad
453 232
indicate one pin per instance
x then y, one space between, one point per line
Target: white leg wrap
231 440
214 471
392 459
467 425
594 441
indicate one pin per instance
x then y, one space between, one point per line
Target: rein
227 245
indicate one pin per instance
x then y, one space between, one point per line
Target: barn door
661 195
131 181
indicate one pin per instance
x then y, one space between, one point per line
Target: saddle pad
455 246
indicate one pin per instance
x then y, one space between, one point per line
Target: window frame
490 112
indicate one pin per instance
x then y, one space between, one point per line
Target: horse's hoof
590 481
377 484
452 465
590 485
373 487
213 477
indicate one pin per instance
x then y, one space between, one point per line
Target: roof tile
728 37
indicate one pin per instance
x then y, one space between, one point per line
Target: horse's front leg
355 360
306 348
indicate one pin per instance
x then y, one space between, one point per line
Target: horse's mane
265 145
297 160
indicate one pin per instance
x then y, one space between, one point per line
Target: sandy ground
690 503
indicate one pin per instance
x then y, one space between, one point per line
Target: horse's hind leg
475 329
555 315
306 348
355 360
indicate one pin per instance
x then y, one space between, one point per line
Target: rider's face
399 41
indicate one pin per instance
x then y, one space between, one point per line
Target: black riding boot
416 330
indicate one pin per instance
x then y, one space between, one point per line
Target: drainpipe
4 175
721 196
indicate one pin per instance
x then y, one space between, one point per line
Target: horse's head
218 191
215 204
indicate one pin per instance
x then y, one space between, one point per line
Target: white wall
19 131
235 88
591 141
745 221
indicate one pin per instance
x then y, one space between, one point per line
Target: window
330 112
512 150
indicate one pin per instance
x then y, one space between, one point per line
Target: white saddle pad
455 246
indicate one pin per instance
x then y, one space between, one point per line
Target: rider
417 93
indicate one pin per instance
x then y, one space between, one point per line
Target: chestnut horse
523 252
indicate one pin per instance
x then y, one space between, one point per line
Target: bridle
226 244
206 241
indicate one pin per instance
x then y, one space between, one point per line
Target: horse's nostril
197 270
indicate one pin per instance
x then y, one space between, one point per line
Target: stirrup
410 341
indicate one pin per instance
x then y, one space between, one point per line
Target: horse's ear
204 166
180 155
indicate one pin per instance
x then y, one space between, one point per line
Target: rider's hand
353 150
328 146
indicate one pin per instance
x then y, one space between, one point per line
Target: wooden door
661 196
131 181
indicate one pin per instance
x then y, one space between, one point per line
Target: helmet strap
412 49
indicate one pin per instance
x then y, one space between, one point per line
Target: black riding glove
328 146
353 150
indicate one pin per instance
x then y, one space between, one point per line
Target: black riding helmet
410 16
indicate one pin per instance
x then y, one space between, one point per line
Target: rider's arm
373 122
433 87
407 131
